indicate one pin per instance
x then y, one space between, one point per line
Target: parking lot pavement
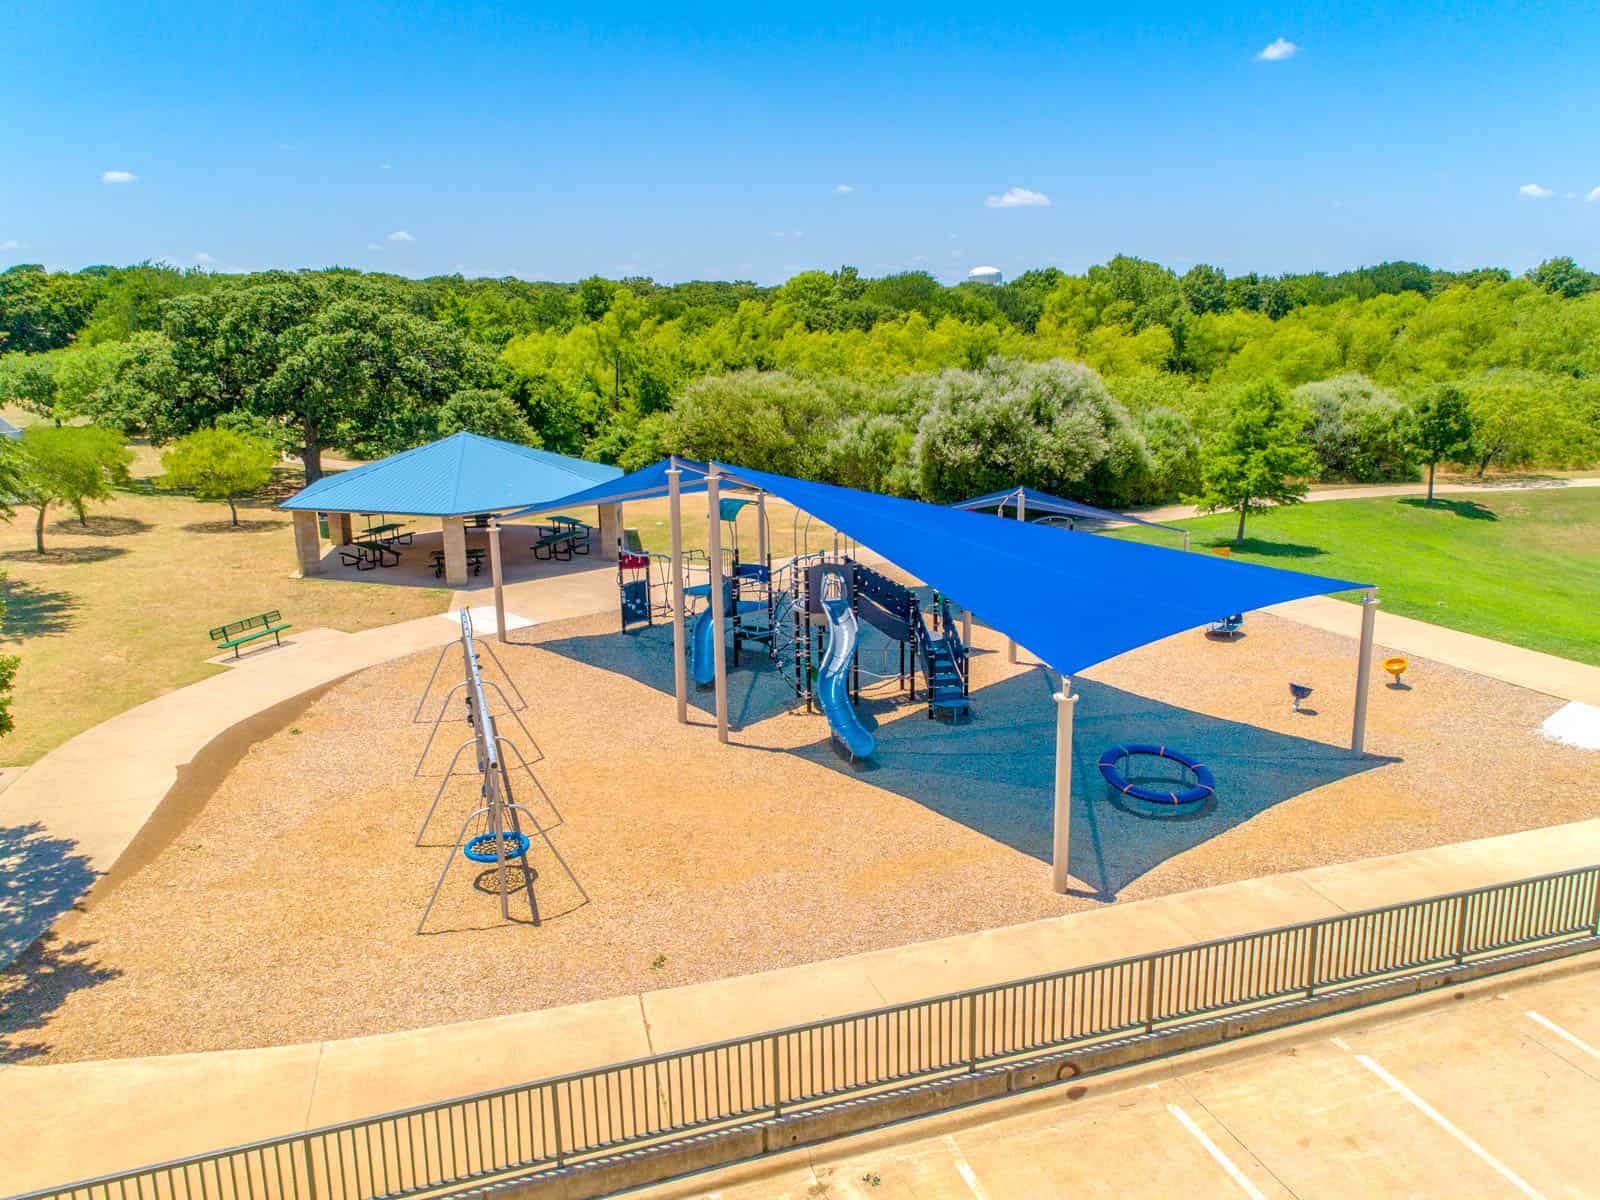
1493 1093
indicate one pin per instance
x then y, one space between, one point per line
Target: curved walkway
1180 512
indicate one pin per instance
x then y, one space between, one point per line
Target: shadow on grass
41 877
1469 509
101 526
227 526
65 556
1265 549
995 774
33 611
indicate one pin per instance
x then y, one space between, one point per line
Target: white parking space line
1444 1123
1211 1148
965 1168
1570 1038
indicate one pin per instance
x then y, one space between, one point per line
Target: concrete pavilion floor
517 538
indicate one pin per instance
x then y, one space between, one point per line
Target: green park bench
241 633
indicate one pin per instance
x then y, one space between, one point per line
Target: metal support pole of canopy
1369 613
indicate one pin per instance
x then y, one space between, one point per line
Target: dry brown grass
116 611
285 910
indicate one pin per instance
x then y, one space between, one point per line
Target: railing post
1594 916
1311 960
972 1031
555 1116
1461 928
1150 994
311 1175
777 1092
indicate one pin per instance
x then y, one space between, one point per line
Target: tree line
1107 385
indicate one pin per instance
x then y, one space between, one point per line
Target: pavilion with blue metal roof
455 478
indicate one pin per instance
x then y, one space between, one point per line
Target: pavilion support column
1022 515
680 668
1060 880
498 576
339 527
307 545
763 549
1369 614
455 551
719 635
610 530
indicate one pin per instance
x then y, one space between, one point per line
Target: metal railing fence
572 1117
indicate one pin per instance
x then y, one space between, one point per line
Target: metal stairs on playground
947 691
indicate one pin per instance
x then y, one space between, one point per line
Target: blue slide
833 676
702 646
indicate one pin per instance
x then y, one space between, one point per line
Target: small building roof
8 430
1037 503
456 476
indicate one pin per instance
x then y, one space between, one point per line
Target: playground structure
500 841
807 614
1038 587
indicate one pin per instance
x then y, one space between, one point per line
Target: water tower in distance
985 275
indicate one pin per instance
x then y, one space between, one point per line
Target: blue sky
711 141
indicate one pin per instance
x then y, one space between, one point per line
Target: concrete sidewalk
1180 512
148 1110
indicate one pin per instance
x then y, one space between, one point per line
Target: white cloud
385 166
118 177
1594 196
1535 192
778 233
200 256
843 189
400 235
1278 50
375 246
13 244
1017 197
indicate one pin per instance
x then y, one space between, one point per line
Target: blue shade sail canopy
460 475
1037 504
1073 599
647 483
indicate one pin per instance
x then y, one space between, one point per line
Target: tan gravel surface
285 909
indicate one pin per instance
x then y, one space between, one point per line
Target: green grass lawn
1522 568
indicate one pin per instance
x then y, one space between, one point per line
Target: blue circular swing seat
1111 766
481 849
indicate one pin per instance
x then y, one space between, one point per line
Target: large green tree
1259 459
73 465
219 464
1440 428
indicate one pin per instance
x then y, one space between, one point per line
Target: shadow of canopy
996 773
